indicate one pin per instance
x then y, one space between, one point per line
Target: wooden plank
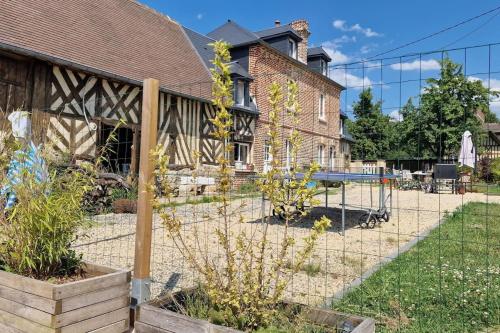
118 327
171 321
95 268
149 127
145 328
28 285
90 312
366 326
23 311
97 322
31 300
4 328
89 285
23 324
80 301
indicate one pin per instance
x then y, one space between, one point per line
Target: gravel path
336 262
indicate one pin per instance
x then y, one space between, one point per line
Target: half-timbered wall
79 101
69 107
490 146
185 128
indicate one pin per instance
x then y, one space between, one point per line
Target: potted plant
243 287
45 286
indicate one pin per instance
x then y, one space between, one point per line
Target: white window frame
268 157
321 155
341 130
288 93
324 67
331 158
292 51
240 92
322 104
237 148
288 150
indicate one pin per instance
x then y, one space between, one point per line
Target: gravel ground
337 259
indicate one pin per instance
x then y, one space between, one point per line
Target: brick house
281 54
79 69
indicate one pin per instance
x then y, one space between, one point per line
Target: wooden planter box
97 304
152 318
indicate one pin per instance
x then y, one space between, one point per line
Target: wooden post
149 121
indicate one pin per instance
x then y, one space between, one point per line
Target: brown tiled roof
120 37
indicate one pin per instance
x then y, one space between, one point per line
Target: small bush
248 187
38 231
484 168
312 269
495 169
124 193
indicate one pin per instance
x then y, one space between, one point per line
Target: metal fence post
141 281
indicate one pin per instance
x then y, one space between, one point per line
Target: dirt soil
341 259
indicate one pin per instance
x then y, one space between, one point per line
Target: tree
448 108
371 128
405 140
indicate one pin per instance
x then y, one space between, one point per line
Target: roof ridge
154 11
198 33
283 25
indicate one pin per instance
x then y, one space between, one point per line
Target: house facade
281 54
79 68
490 145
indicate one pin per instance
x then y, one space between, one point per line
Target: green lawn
449 282
490 189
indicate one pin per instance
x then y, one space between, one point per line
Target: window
288 93
322 107
321 154
341 127
292 48
345 148
323 67
289 157
241 92
241 154
331 158
268 157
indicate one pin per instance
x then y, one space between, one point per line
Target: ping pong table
342 178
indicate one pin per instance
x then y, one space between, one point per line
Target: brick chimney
277 23
302 29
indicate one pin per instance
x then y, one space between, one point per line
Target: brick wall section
266 66
302 29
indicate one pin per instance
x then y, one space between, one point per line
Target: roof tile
120 37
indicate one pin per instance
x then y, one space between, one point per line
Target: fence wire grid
434 266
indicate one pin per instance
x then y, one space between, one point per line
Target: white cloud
368 48
342 40
396 116
350 80
199 16
368 32
426 65
494 84
337 56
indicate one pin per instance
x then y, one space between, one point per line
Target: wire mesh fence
431 264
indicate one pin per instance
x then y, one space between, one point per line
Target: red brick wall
266 66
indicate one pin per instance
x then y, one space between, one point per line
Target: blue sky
357 30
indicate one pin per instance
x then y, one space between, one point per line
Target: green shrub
248 187
124 193
37 233
495 169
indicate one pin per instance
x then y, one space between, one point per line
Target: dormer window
241 94
292 48
323 67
